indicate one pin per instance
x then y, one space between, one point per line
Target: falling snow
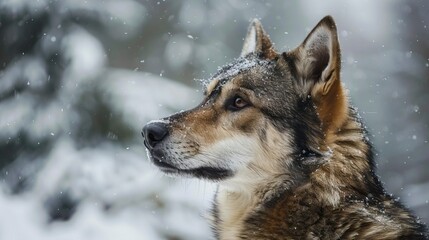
78 80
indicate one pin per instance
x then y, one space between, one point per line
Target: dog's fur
291 156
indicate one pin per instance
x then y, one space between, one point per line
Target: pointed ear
257 41
317 64
318 57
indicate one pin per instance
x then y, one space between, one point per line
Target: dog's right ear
257 42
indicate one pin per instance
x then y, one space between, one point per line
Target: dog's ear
257 41
317 69
318 57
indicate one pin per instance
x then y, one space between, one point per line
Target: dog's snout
154 133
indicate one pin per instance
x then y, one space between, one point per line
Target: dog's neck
238 197
349 172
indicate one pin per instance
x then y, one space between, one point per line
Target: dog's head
264 113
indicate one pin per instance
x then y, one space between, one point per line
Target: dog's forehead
238 66
234 69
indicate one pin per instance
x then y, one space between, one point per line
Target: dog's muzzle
154 133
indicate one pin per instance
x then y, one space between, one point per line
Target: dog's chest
233 210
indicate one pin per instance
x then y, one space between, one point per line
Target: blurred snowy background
78 80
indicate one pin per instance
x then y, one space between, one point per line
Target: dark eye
237 103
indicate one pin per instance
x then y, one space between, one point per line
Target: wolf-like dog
291 156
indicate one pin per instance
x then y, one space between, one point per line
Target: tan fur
211 86
332 107
235 208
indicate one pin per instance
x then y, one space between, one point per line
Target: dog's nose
154 133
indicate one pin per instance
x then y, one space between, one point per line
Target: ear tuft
257 41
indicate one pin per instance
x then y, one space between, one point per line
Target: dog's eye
236 103
239 103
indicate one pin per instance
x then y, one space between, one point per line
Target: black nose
154 133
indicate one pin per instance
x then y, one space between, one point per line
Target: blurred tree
50 60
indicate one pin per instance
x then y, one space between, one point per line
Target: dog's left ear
317 68
257 42
318 57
